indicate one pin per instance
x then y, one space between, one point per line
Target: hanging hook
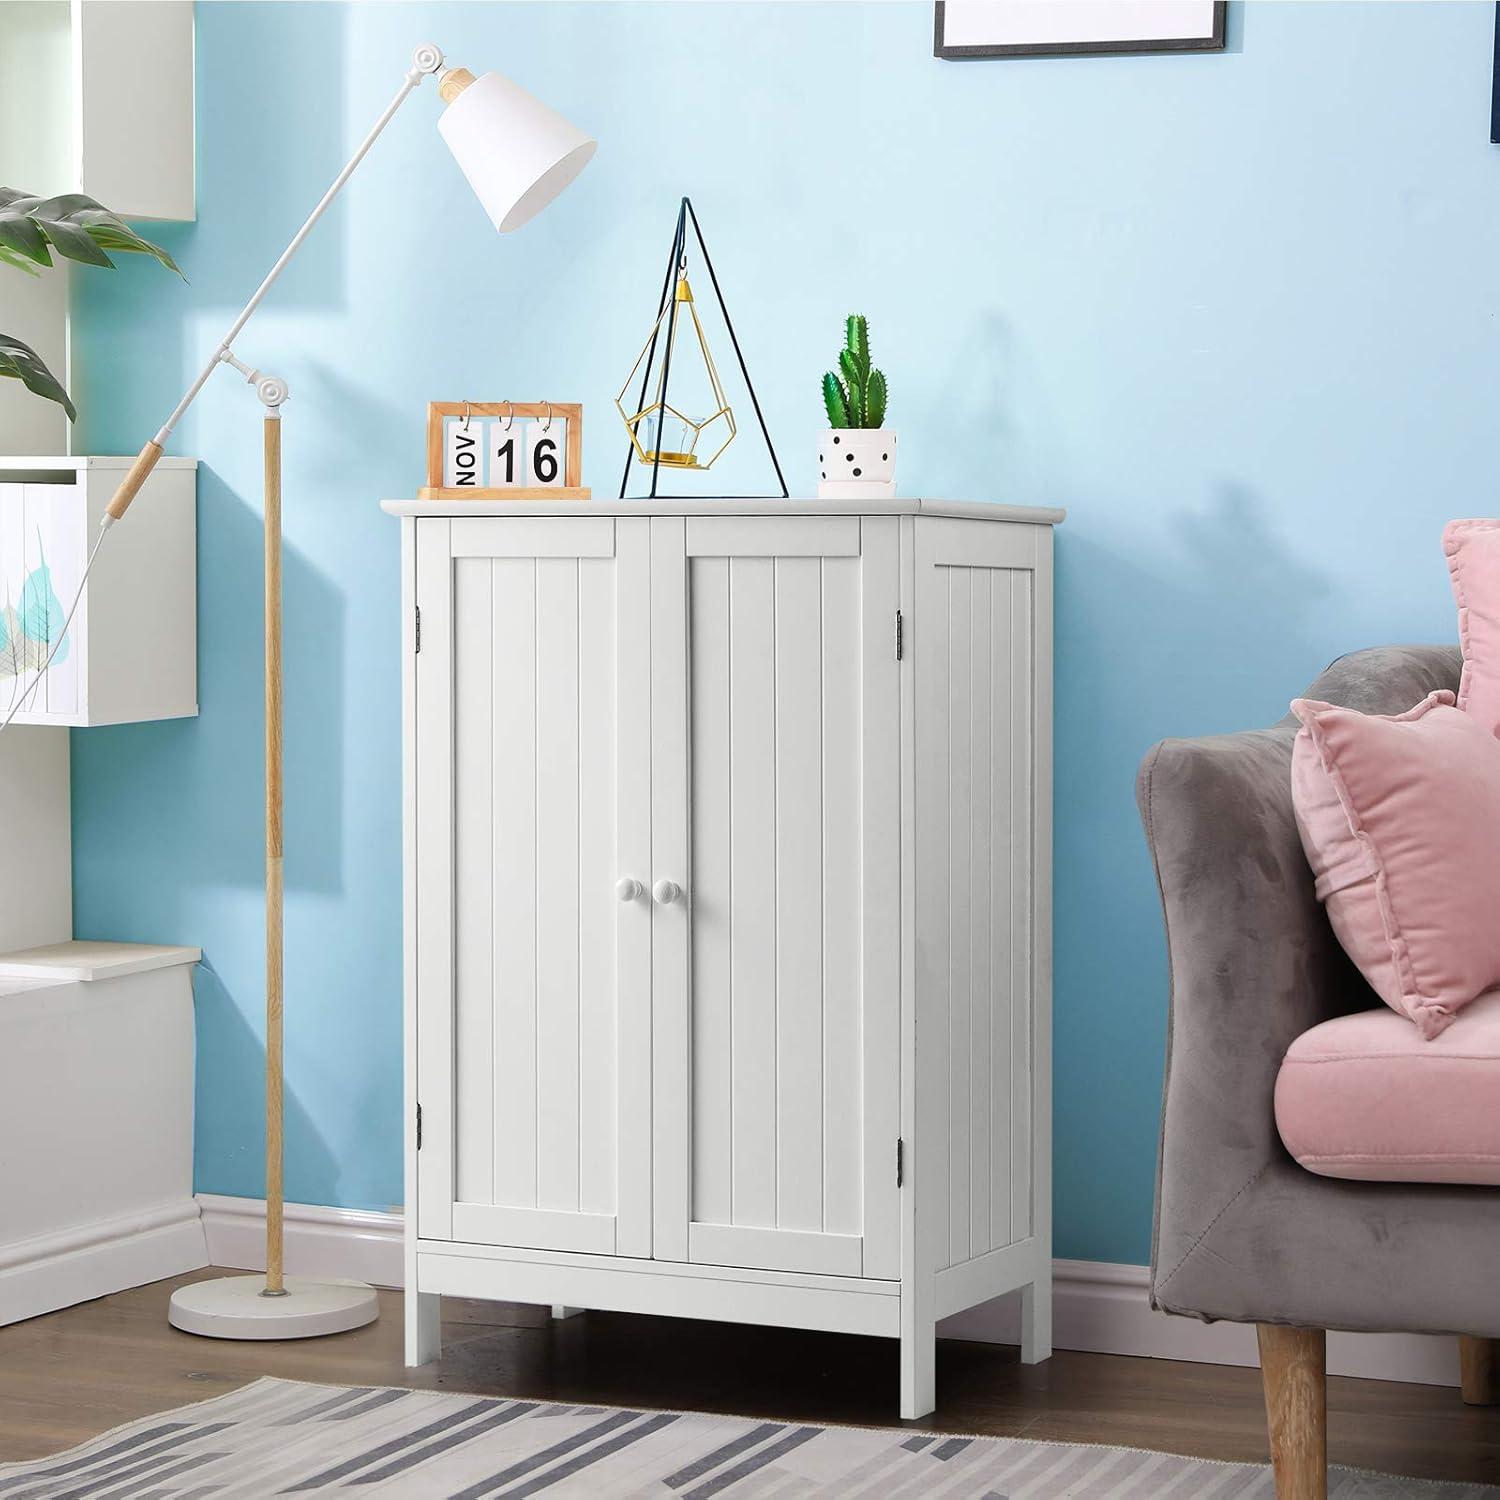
466 416
547 425
510 416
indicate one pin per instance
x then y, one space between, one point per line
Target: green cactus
836 401
854 383
859 399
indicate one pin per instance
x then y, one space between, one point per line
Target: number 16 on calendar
504 450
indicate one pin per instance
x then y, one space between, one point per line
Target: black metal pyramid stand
685 215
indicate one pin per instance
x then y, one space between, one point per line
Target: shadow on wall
229 1117
232 711
1228 591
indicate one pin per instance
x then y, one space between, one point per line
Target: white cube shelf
97 97
131 652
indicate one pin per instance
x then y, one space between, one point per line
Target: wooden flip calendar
504 450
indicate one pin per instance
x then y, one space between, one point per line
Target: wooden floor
72 1374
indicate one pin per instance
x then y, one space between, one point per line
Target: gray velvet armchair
1242 1232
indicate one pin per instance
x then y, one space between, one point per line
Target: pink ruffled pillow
1473 551
1400 818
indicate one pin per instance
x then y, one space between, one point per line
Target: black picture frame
1212 43
1495 85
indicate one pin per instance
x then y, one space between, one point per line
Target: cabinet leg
559 1311
1479 1362
1036 1320
424 1328
1292 1363
918 1370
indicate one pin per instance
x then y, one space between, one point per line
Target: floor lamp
518 155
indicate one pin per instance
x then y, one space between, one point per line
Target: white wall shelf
97 97
131 652
86 962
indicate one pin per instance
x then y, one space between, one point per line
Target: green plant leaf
875 397
73 224
9 257
22 362
857 339
835 401
854 382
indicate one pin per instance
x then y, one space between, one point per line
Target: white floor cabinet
728 912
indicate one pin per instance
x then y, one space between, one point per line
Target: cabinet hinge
419 1127
417 631
900 635
900 1161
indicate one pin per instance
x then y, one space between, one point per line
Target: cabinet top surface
969 510
81 461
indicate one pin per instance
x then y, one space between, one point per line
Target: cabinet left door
533 814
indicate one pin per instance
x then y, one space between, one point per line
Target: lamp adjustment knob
666 892
627 889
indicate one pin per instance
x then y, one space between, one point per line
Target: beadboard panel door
776 724
44 542
534 747
976 745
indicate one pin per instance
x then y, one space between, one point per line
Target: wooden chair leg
1293 1370
1479 1364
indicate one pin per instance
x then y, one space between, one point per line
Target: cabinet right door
776 970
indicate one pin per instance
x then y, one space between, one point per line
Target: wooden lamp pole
273 1306
517 155
275 1112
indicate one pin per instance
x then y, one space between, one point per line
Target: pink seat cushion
1473 552
1367 1097
1400 818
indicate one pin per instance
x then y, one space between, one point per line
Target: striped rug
281 1437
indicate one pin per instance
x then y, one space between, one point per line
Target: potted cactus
857 452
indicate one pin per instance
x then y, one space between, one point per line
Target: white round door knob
666 891
627 889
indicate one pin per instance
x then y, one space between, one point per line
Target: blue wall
1237 312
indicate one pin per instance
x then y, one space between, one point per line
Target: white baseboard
1098 1307
1105 1309
84 1261
319 1241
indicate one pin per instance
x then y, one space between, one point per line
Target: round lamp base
232 1307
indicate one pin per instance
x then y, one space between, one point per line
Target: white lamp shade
517 154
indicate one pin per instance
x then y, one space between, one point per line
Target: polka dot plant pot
856 460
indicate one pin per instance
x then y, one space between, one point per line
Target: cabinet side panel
961 832
140 610
998 841
36 869
976 637
981 906
1018 993
474 880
